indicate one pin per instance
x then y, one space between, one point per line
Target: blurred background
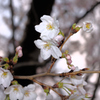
17 21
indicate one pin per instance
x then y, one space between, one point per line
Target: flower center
4 75
16 89
27 93
88 25
47 45
49 27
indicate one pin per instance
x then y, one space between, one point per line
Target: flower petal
45 54
56 53
39 43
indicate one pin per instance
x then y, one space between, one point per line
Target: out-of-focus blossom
49 27
15 92
87 26
2 94
48 48
29 93
5 77
49 97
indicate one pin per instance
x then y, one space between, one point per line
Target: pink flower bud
69 61
72 67
58 39
20 53
68 56
18 48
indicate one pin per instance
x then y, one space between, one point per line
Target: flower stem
66 40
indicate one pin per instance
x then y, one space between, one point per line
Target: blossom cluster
9 88
50 42
51 39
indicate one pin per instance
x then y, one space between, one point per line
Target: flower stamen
27 93
49 27
88 25
16 89
47 46
4 75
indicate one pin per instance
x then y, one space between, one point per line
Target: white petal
30 87
8 90
47 19
41 27
56 53
45 54
39 43
32 96
81 89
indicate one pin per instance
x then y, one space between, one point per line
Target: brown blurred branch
12 22
88 11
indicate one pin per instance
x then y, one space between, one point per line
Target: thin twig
53 74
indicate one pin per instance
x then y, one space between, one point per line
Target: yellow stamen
4 75
47 46
88 25
16 89
49 27
27 93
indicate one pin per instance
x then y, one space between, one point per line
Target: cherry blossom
15 92
49 27
48 48
77 79
87 26
5 77
29 93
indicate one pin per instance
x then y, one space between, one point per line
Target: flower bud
68 56
75 29
58 39
6 59
18 48
72 67
19 51
69 61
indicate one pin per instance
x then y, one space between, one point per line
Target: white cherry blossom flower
48 28
87 26
48 48
29 93
2 94
15 92
75 79
5 77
